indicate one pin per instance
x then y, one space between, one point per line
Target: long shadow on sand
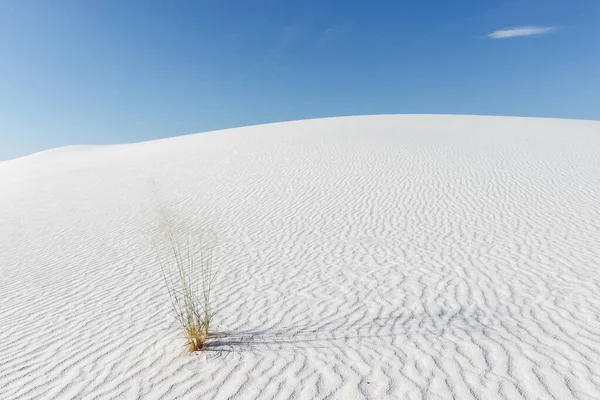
446 325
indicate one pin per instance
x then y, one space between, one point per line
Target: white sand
383 257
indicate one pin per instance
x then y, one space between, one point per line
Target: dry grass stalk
190 289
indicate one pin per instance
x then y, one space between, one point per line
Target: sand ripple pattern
384 257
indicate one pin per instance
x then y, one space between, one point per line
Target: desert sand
377 257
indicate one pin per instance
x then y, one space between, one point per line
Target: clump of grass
189 281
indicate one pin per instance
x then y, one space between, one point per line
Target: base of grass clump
196 340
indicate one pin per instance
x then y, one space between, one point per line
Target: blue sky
96 72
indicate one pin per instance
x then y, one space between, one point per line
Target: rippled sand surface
380 257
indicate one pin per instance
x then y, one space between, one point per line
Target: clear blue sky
113 71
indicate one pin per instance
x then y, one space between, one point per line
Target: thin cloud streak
521 31
332 34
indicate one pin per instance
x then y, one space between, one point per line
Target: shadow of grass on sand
447 325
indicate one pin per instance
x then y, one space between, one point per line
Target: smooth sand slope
381 257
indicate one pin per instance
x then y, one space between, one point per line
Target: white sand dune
380 257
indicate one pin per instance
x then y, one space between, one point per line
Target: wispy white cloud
521 31
332 34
